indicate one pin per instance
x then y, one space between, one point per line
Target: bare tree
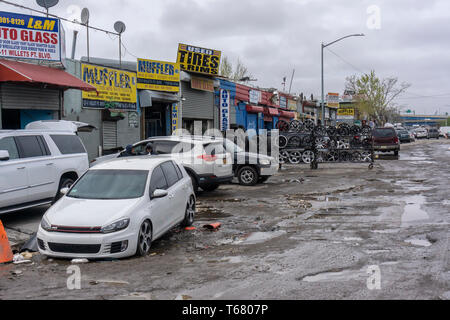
375 97
239 72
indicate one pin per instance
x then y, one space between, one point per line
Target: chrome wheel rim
247 176
295 157
145 237
190 210
308 156
284 156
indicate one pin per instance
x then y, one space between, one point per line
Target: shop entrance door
155 120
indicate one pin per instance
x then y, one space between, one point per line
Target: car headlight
265 162
45 224
116 226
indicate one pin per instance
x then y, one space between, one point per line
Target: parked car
421 133
250 168
117 209
443 132
433 133
403 135
412 136
385 140
203 158
36 164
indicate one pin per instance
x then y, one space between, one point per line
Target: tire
263 179
63 183
144 241
210 187
190 213
248 176
194 182
396 153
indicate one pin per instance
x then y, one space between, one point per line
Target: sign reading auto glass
116 88
29 37
175 117
333 100
224 110
158 75
200 60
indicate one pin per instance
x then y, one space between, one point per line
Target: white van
36 164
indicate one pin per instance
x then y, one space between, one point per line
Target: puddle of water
258 237
419 242
335 276
235 259
386 231
352 239
377 251
413 212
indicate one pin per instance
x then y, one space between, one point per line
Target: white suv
36 164
204 158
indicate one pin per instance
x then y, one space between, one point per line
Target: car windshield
110 184
403 132
383 133
231 146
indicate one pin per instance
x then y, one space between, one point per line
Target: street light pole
323 91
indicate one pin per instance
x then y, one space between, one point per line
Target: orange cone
212 226
6 254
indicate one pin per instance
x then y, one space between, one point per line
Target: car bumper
269 170
386 148
208 179
70 240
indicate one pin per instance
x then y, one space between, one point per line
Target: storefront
158 84
29 92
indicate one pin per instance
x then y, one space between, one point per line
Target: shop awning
147 96
287 114
14 71
254 109
272 111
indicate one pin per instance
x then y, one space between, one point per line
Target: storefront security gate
305 142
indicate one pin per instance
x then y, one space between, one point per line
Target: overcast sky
409 41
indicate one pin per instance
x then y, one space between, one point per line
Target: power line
351 65
58 17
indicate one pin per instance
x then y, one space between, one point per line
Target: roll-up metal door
23 97
109 135
197 104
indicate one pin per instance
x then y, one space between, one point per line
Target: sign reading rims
116 89
30 37
224 110
158 75
199 60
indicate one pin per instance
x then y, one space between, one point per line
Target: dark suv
386 140
433 133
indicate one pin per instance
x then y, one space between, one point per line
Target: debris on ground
31 244
212 226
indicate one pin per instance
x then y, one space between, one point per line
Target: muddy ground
302 235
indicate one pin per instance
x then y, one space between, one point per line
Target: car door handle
50 164
21 168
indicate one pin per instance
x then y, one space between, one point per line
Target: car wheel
247 176
210 187
396 153
190 213
144 239
194 182
63 183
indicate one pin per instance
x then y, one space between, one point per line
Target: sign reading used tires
200 60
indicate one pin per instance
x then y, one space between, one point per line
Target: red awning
254 109
26 72
272 111
287 114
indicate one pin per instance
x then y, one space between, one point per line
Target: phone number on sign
19 22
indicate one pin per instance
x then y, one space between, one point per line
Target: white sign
254 96
224 110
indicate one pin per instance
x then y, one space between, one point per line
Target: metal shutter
23 97
198 104
109 135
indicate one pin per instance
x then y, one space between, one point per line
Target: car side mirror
64 191
159 193
4 155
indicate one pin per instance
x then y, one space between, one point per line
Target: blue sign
224 110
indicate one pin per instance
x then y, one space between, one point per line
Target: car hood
71 212
101 159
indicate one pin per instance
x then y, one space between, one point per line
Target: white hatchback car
117 209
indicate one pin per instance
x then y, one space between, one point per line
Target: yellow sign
200 60
346 112
158 75
333 100
202 84
292 105
116 88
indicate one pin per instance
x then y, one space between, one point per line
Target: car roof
132 163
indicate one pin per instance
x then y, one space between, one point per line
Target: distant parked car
412 136
403 135
421 133
386 140
36 164
117 209
433 133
